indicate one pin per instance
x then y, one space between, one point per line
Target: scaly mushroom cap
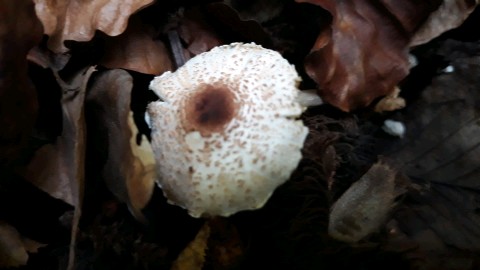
225 134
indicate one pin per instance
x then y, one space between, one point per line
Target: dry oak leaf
78 20
449 15
127 168
364 54
14 247
20 30
59 168
136 50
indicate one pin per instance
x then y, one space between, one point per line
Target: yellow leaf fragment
14 247
141 183
193 256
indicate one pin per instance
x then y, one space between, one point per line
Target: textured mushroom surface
225 134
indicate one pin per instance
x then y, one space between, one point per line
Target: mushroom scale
225 134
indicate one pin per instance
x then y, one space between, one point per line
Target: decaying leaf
365 53
14 247
136 50
216 24
441 154
58 169
197 33
365 206
78 20
12 251
260 11
225 249
20 30
193 256
448 16
127 168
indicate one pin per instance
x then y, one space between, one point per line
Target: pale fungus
225 133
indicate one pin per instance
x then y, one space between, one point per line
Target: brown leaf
78 20
136 50
197 33
20 30
448 16
127 168
225 248
14 248
365 206
441 154
58 168
364 54
193 256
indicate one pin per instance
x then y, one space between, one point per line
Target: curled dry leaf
58 169
127 168
78 20
197 33
441 154
448 16
365 206
20 30
365 53
136 50
14 247
216 24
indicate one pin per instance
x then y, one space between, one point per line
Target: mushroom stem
309 98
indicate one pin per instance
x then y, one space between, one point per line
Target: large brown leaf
449 15
136 50
78 20
441 154
19 31
127 168
58 168
364 54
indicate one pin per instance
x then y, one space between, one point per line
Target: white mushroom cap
225 134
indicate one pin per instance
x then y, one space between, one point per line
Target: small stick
176 48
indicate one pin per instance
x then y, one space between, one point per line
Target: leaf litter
422 207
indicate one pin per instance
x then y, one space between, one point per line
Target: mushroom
225 134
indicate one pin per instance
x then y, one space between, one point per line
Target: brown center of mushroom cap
209 109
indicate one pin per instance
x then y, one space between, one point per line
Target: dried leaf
364 55
365 206
197 33
441 154
260 11
58 168
193 256
126 167
448 16
78 20
136 50
20 30
225 249
140 186
14 248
